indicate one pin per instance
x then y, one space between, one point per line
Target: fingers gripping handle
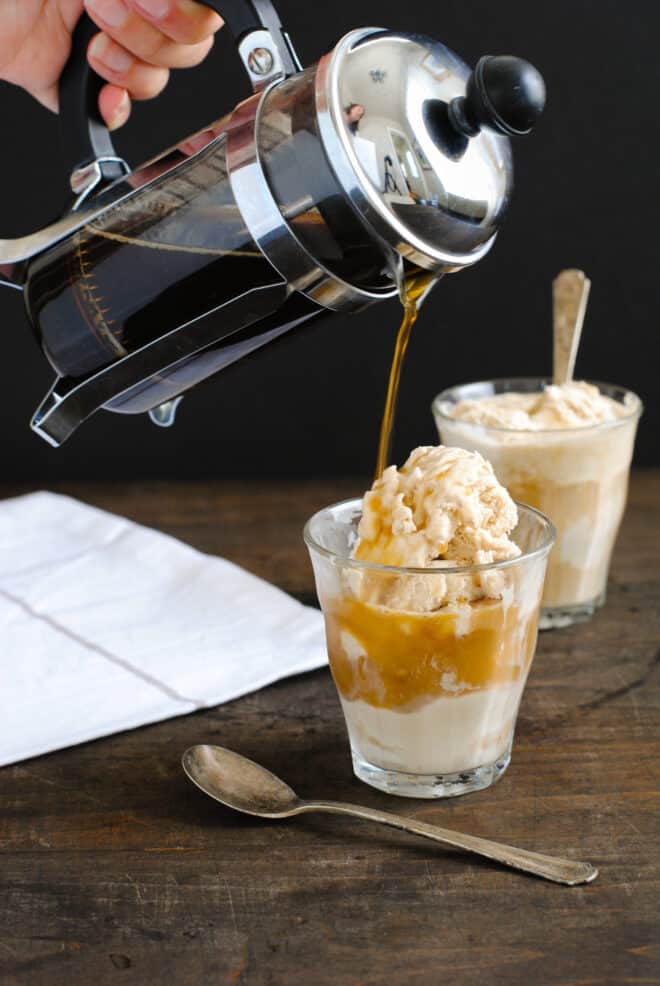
263 44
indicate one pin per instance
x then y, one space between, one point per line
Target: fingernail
112 12
114 57
154 9
121 113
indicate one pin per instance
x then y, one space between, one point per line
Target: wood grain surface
114 869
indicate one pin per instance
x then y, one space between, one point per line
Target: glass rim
635 411
549 539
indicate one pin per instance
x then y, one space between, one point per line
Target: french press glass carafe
313 196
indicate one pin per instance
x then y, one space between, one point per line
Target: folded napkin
106 625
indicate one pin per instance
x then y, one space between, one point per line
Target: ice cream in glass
566 450
430 587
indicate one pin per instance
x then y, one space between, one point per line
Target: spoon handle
559 870
570 293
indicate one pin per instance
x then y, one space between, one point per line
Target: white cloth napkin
106 625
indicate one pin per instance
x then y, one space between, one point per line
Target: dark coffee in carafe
162 258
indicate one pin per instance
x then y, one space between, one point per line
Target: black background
586 196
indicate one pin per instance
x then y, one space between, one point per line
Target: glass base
555 617
430 785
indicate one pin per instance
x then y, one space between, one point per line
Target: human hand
139 41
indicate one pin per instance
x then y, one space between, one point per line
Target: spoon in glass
241 784
570 293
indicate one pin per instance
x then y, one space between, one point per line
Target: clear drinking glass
577 476
430 695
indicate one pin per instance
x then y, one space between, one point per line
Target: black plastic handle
85 136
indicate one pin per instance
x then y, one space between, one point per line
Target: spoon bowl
570 293
241 784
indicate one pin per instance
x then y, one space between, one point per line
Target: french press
315 195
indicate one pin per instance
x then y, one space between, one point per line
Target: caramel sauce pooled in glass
410 658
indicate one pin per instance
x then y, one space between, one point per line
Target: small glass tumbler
429 690
577 476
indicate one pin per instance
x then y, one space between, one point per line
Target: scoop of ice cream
443 505
567 405
443 508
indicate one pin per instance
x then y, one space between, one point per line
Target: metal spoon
241 784
570 293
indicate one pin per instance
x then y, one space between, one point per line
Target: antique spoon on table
570 293
241 784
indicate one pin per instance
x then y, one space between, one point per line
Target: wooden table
116 870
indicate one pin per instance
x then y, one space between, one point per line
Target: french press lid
419 143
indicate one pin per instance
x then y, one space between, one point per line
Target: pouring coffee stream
413 289
305 200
